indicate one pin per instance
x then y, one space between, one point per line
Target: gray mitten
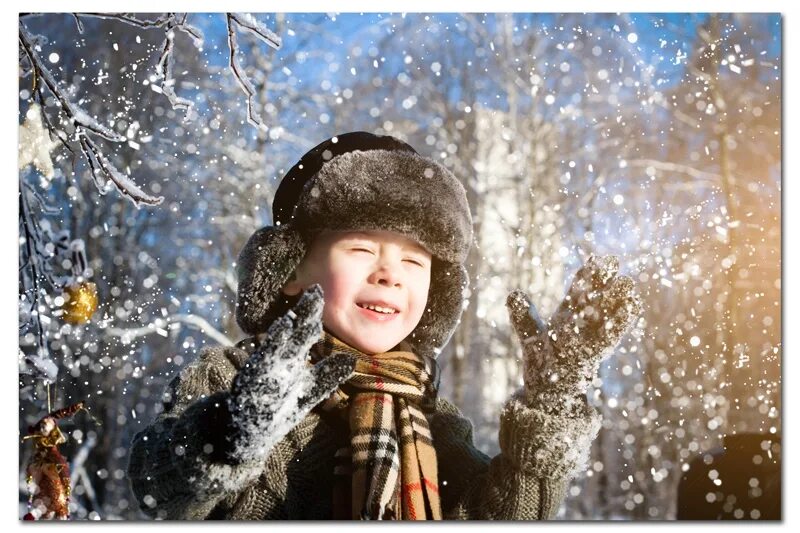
277 387
562 357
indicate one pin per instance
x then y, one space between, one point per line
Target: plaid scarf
388 468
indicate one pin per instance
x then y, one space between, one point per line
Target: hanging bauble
80 302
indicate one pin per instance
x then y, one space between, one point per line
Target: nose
386 273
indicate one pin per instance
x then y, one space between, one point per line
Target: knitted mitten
562 357
277 388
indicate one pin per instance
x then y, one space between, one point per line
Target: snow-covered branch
80 118
128 334
248 22
100 166
164 72
36 270
257 28
170 19
170 22
127 19
84 126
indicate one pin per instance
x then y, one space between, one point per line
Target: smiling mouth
378 309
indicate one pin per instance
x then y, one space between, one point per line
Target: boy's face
382 268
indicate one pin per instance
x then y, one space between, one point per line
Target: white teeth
386 310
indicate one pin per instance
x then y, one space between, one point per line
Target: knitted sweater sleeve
540 452
176 466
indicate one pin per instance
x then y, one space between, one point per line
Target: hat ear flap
443 309
265 264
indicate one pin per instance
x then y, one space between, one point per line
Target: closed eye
363 250
415 262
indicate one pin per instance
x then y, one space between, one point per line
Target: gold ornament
80 302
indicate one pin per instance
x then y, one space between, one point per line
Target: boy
330 411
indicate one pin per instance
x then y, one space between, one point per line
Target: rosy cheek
335 294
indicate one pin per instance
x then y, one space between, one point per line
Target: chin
370 343
371 348
369 340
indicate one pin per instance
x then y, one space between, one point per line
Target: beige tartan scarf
388 469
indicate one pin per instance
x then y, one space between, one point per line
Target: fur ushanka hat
360 181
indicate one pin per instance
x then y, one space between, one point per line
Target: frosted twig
191 31
192 320
252 116
98 162
164 72
40 202
203 325
94 165
256 27
128 19
62 137
24 65
40 362
79 117
78 22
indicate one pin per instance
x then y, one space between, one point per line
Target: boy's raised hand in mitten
562 356
277 387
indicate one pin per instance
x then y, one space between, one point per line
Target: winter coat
175 473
